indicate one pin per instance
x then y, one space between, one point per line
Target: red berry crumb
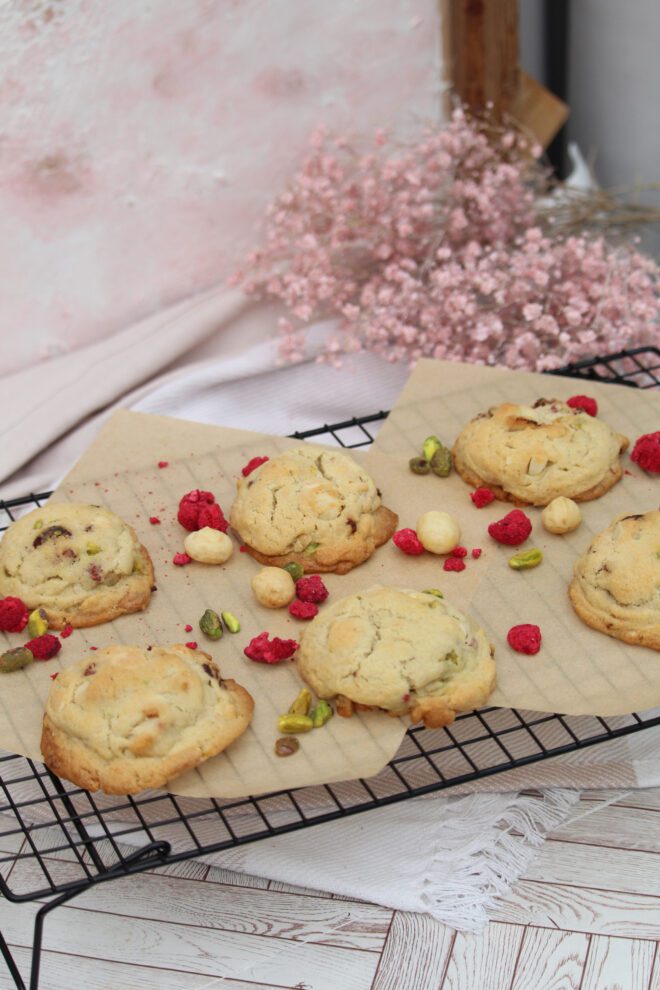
311 589
93 647
303 610
453 564
192 645
459 552
163 464
476 553
13 614
66 631
44 647
512 529
263 650
53 676
198 509
482 496
646 453
188 627
408 541
253 465
525 638
181 559
154 520
583 402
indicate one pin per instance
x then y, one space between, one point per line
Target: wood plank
486 960
615 963
415 955
613 826
580 909
604 868
648 797
217 874
654 982
190 949
550 959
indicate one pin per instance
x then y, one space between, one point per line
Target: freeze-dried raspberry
188 627
453 564
66 631
311 589
198 509
192 645
476 553
646 452
482 496
512 529
263 650
525 638
181 559
154 520
253 465
302 609
44 647
408 541
583 402
13 614
163 464
459 552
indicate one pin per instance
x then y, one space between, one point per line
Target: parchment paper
578 670
120 471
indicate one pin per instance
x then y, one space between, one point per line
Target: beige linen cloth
213 359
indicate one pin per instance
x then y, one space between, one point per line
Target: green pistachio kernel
441 462
321 713
419 465
294 723
232 624
310 549
93 549
210 624
433 591
295 570
37 622
431 444
14 659
39 524
286 746
302 704
526 559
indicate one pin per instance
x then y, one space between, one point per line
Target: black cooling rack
46 819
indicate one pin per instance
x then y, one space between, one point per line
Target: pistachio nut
210 624
429 447
321 713
441 462
93 549
37 622
286 746
294 723
14 659
232 624
295 570
419 465
310 549
302 703
526 559
433 591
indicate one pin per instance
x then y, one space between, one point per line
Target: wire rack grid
44 819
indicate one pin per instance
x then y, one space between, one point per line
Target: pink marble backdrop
141 139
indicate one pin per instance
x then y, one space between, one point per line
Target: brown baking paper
120 472
578 670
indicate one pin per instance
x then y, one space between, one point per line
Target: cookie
81 563
532 454
616 581
313 507
127 718
406 652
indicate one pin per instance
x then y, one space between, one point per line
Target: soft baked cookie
126 718
616 581
313 507
407 652
81 563
531 454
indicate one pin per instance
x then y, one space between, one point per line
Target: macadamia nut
438 532
562 515
208 546
273 587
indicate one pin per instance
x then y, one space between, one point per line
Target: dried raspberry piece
44 647
583 402
408 541
512 529
525 638
453 564
482 496
263 650
163 464
303 609
213 517
181 559
198 509
476 553
646 453
13 614
253 465
188 627
311 589
192 645
459 552
66 631
53 676
154 520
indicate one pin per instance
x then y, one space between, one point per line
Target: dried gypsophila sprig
436 250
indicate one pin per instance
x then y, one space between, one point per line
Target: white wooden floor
586 916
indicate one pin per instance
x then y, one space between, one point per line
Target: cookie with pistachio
616 581
314 507
81 563
402 651
532 454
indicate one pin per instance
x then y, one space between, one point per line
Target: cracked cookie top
81 563
400 650
126 718
532 454
616 581
313 506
